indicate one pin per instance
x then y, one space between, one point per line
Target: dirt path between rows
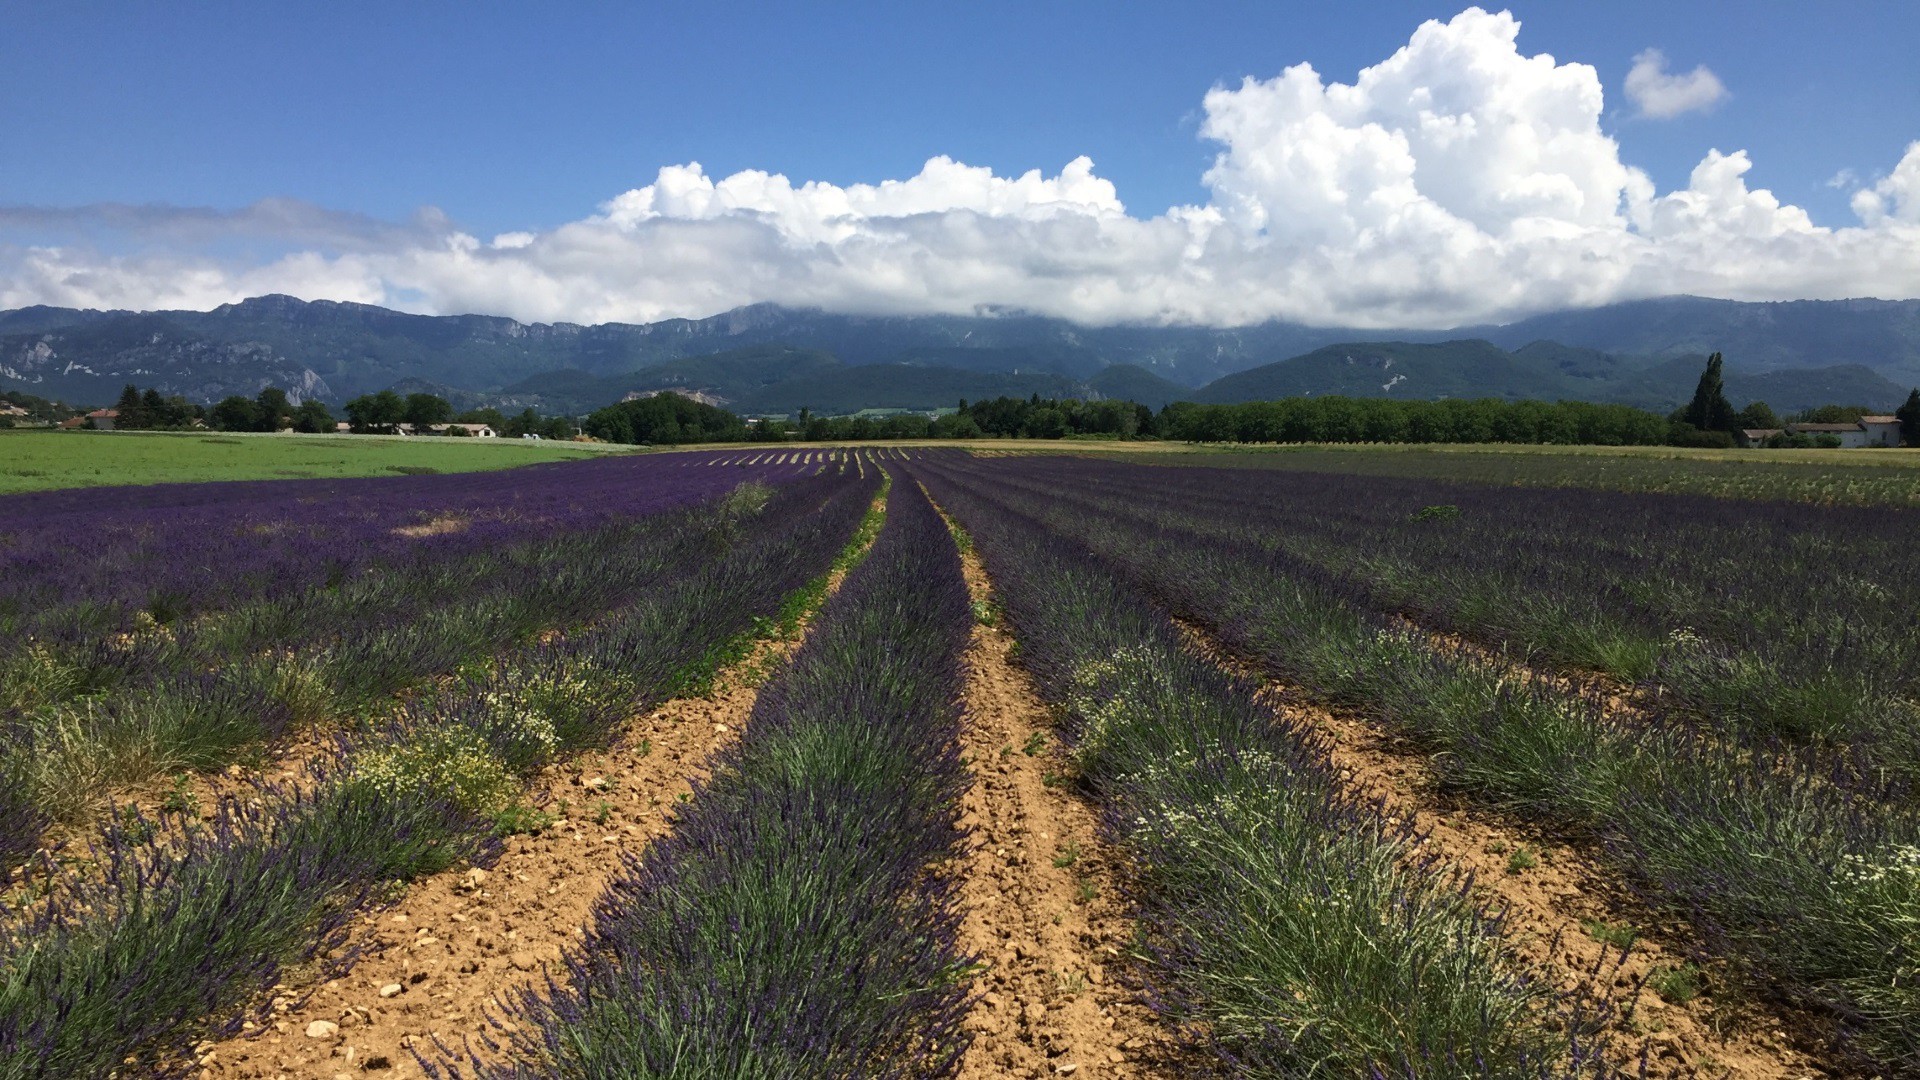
442 961
443 957
1556 898
1041 910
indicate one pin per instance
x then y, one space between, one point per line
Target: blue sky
523 117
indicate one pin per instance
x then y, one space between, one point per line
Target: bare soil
440 526
446 955
1058 996
442 961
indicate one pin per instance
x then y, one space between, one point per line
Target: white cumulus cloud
1661 95
1459 180
1896 197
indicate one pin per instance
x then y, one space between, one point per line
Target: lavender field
677 765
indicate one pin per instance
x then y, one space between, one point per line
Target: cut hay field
981 762
44 460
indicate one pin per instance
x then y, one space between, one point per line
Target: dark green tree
275 411
1759 416
313 418
376 412
131 409
1046 422
666 419
424 410
490 416
526 423
1831 414
1909 415
235 413
1709 410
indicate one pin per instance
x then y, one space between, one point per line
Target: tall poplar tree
1709 409
1909 415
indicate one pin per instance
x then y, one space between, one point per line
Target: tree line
667 418
271 410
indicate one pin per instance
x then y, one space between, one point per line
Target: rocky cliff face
76 364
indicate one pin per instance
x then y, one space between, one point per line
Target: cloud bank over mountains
1457 181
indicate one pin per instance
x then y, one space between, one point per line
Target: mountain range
767 359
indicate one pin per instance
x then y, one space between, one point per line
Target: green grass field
40 460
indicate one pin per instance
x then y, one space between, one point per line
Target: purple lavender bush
1350 953
788 926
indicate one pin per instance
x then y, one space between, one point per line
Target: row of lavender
1773 623
182 923
1348 951
790 925
82 720
75 565
1804 885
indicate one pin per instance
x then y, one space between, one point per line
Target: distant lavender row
1771 621
86 561
788 926
1729 559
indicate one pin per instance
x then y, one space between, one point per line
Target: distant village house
1869 431
478 431
102 419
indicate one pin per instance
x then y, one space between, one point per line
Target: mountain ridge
334 350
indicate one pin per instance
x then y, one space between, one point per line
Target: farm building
1881 430
1869 431
102 419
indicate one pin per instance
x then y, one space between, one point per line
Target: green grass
1620 936
1845 477
43 460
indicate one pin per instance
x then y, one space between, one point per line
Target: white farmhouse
1869 431
1881 430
